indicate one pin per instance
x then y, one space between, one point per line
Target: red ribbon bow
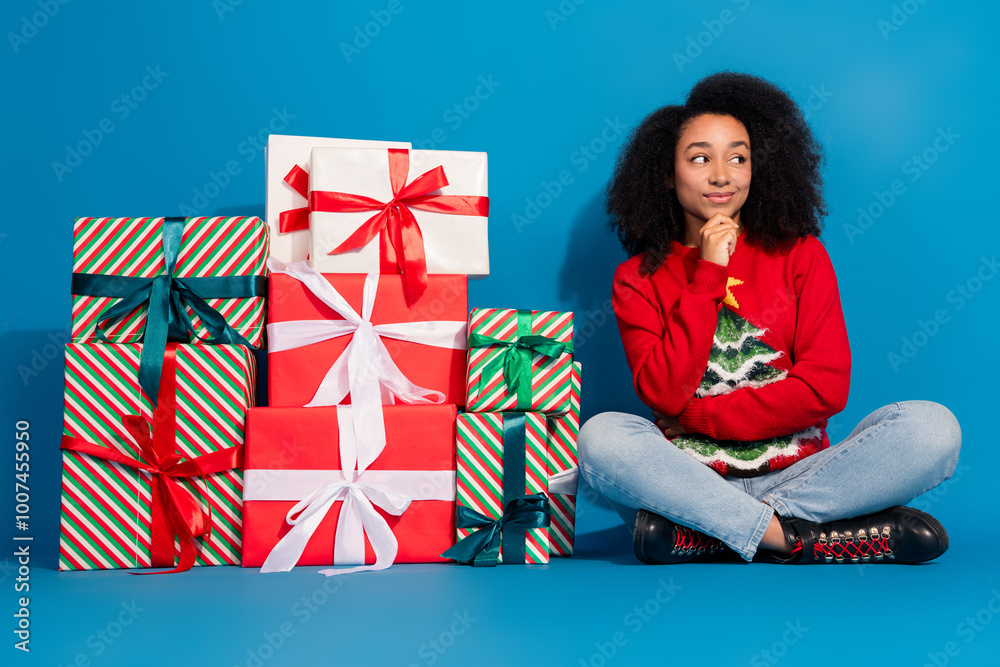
402 244
175 511
296 219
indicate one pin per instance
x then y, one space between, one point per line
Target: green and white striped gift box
562 434
210 247
480 475
550 377
105 520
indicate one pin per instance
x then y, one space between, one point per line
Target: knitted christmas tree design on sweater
739 358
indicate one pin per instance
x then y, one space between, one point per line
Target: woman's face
712 168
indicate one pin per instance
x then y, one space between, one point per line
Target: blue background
876 97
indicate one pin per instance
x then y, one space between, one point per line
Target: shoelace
859 548
691 541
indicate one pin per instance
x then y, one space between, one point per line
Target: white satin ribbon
361 491
564 482
365 369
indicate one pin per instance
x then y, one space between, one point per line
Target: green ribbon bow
167 318
482 548
521 512
515 360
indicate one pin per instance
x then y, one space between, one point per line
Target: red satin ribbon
401 243
175 511
296 219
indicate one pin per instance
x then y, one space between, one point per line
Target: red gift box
306 442
294 375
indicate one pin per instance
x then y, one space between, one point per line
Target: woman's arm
816 387
668 362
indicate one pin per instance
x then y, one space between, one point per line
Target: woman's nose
719 177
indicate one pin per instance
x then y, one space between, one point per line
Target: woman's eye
701 159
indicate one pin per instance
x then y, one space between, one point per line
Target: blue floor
600 607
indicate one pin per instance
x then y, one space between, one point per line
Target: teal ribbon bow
521 512
516 358
482 548
167 318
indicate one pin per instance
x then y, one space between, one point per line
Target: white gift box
453 243
281 153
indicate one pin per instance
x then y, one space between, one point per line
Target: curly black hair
785 201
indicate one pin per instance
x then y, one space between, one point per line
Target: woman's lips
719 197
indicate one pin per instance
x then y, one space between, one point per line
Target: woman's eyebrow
706 144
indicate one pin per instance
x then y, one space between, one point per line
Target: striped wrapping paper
480 471
105 521
562 433
550 377
220 246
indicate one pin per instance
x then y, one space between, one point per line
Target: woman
730 317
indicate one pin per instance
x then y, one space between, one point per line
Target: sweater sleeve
817 385
668 362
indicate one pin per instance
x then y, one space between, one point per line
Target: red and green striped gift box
480 475
549 385
562 434
106 519
210 247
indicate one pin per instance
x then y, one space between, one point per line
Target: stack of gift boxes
517 441
159 378
361 458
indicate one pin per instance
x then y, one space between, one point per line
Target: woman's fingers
718 239
669 429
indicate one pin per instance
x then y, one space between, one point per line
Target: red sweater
788 301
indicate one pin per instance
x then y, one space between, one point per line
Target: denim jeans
895 454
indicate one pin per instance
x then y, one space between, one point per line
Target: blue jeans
895 454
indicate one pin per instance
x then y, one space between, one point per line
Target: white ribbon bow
361 491
365 369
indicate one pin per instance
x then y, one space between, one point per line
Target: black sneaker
895 535
659 541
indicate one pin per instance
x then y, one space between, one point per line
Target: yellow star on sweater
730 299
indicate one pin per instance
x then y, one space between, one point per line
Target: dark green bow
482 548
515 360
167 318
